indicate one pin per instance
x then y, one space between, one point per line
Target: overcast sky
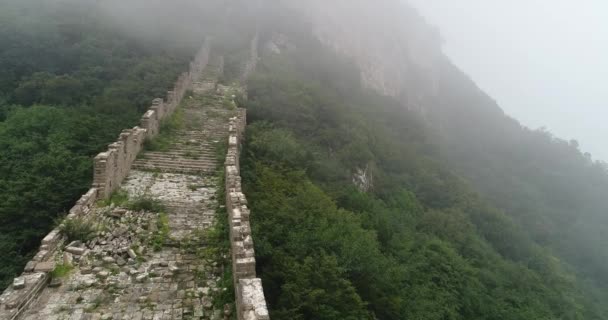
544 61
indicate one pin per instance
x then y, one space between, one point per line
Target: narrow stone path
150 263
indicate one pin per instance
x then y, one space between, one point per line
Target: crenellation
15 299
251 303
110 168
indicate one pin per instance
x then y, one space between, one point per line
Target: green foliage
61 270
161 234
118 198
70 82
421 244
146 204
168 129
78 229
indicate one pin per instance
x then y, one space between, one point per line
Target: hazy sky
544 61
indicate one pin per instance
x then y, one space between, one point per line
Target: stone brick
46 266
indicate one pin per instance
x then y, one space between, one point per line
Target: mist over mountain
383 182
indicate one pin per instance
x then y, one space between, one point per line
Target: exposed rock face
397 52
363 179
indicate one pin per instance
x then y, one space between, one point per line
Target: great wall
155 216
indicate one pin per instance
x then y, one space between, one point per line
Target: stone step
175 164
178 162
203 138
176 169
179 153
181 148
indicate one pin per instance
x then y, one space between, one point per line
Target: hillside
383 183
439 174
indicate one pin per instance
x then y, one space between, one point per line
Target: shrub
78 229
162 232
61 270
118 198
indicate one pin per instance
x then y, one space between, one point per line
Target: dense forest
468 214
362 206
70 82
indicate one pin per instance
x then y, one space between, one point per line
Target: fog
544 61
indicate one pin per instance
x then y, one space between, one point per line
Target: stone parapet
36 275
112 166
110 169
250 300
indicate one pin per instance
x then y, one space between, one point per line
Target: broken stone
77 244
68 259
46 266
141 278
75 250
29 267
56 282
108 259
19 283
131 254
85 270
118 212
207 303
89 282
103 274
120 261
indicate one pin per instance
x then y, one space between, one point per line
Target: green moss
61 270
161 234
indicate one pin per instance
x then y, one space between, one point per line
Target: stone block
68 259
75 250
19 283
52 237
251 300
46 266
41 255
29 267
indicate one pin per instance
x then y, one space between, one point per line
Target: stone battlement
250 300
110 169
112 166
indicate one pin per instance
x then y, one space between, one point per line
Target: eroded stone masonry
145 241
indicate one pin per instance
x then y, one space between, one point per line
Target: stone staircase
120 275
195 145
159 255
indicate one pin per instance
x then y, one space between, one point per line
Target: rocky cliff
397 51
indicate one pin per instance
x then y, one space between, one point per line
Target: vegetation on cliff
464 214
422 243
